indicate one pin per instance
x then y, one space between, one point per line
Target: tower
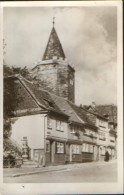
54 73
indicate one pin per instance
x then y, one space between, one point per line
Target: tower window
71 82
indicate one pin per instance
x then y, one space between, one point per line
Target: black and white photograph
60 95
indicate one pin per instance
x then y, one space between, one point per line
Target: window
75 149
102 123
47 146
84 147
72 130
102 136
112 140
89 132
49 123
91 148
75 130
59 125
95 134
87 148
71 82
59 148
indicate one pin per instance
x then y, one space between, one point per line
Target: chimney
81 106
93 104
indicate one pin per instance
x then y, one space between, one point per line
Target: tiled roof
54 47
110 110
95 111
82 114
65 107
76 113
41 96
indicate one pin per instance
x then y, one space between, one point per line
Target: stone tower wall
55 77
46 77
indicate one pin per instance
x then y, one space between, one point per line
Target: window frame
59 125
60 148
47 143
75 149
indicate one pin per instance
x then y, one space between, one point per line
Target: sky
88 36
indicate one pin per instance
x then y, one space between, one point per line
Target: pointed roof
54 47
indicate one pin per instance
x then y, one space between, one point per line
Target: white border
68 188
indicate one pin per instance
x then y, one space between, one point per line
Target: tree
10 102
9 71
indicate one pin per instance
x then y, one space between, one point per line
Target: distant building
110 112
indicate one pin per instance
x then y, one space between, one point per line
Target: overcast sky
88 36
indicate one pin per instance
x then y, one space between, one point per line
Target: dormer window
73 130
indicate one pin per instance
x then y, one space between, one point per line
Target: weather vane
54 20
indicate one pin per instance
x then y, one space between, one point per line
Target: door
37 153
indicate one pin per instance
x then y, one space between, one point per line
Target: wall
103 129
65 77
54 135
53 132
47 76
33 128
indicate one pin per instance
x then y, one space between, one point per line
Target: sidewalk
16 172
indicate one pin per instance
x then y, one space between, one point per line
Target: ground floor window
47 146
75 149
60 148
87 148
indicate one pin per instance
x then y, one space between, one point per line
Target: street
90 172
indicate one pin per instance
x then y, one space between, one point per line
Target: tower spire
54 47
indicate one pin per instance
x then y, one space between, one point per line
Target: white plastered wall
31 127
